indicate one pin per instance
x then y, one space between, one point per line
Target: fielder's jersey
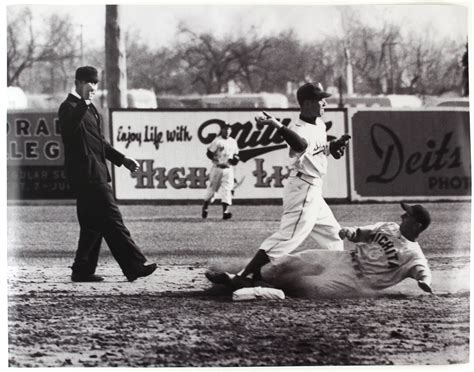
313 161
386 257
224 149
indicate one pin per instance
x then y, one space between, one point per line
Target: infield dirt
175 318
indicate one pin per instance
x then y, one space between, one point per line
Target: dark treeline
384 60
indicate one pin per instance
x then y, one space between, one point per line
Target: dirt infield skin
172 319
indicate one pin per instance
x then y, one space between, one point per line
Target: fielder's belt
304 177
223 166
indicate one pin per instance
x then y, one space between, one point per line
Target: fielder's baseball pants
305 213
220 179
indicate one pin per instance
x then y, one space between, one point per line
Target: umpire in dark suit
85 152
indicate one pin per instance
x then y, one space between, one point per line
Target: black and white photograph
237 184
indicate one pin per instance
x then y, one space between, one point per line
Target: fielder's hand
131 164
337 147
424 286
265 119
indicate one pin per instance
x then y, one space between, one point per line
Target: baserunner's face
409 223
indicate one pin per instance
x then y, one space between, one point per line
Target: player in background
305 212
224 153
383 255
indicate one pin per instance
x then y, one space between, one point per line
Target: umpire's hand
131 164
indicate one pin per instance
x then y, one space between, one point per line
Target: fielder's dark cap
88 74
420 214
310 91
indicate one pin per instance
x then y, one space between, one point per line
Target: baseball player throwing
305 212
383 255
224 153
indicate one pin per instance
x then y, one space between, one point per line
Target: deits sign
423 154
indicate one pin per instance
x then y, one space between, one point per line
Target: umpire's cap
310 91
88 74
419 213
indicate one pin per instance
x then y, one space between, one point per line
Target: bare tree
211 62
161 70
431 65
56 43
249 52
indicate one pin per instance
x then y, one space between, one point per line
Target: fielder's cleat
219 278
229 280
241 282
227 216
204 213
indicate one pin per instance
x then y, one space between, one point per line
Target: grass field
169 319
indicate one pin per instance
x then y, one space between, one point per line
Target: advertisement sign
419 154
171 149
35 157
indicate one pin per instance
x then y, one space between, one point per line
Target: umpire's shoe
75 277
144 271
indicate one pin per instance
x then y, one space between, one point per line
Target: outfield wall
171 149
393 155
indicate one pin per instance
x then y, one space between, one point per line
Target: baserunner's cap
418 212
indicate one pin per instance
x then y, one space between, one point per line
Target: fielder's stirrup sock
257 277
204 212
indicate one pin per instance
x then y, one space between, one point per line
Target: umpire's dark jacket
85 148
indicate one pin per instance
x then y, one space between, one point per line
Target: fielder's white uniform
384 258
221 175
305 212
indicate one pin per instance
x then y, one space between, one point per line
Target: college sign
171 149
35 157
419 154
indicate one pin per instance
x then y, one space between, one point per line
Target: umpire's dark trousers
99 217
